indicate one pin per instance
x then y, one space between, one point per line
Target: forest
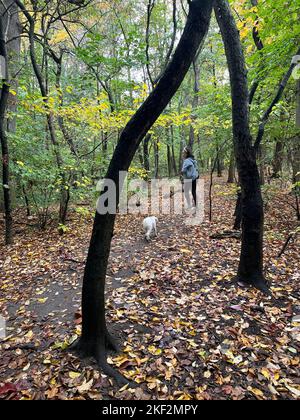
195 306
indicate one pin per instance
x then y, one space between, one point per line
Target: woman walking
190 174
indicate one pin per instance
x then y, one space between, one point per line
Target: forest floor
187 330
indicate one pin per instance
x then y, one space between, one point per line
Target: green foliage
104 80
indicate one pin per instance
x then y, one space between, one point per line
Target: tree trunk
156 159
146 152
10 31
298 105
278 159
296 160
95 339
250 269
3 136
27 203
181 146
169 158
173 151
231 171
219 166
261 157
141 157
238 212
14 30
195 102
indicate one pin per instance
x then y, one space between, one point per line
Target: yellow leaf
185 396
155 351
265 373
124 388
74 375
29 334
42 300
249 49
256 391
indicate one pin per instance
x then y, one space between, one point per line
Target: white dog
149 225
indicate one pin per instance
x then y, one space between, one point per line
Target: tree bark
156 158
195 102
173 151
261 156
298 105
278 159
11 30
146 152
3 137
250 269
231 171
296 165
95 339
238 212
169 161
219 164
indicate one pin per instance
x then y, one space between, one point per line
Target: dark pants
191 187
194 191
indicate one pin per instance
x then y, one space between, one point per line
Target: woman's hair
189 152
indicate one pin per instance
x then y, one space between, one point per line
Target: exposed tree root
259 284
111 344
98 351
110 371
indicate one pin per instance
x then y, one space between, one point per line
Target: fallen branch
227 234
286 244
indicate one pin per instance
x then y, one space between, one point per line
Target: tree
275 101
10 51
3 134
95 339
42 79
250 269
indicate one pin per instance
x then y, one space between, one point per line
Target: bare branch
274 102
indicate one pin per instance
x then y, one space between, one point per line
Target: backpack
192 171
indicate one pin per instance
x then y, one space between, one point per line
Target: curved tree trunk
95 339
250 269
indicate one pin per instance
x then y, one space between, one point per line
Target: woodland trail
187 330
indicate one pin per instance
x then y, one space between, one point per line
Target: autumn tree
9 51
251 260
95 339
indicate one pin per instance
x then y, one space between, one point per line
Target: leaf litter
186 329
